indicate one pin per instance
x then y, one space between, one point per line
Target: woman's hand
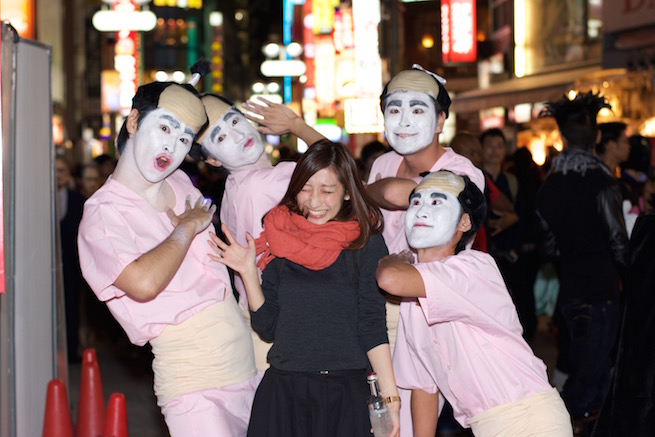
394 410
239 258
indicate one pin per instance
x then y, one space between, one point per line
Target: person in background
467 145
579 209
253 185
89 179
629 406
506 247
106 165
369 153
415 105
613 148
69 214
464 336
143 252
318 301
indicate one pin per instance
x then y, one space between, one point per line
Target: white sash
209 350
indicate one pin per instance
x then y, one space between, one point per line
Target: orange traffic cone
91 405
116 423
57 421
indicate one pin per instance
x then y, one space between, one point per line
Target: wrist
392 399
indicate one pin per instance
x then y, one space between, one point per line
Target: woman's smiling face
321 197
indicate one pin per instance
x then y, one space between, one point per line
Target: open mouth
162 161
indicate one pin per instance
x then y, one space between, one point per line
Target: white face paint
432 218
410 121
233 141
160 144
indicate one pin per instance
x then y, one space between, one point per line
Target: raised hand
273 118
239 258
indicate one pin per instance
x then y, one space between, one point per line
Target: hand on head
273 118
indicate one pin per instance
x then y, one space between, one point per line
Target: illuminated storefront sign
20 13
125 62
191 4
368 65
363 116
324 70
458 34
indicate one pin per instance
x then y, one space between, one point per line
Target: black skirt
305 404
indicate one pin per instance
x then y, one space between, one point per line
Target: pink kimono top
248 196
118 226
464 338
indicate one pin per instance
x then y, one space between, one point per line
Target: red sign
458 31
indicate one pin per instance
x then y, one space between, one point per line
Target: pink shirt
118 226
248 196
388 164
464 338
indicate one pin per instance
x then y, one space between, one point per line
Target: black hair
576 119
474 204
609 132
146 100
493 132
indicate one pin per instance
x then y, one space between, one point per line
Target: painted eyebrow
214 133
188 130
417 103
395 102
415 195
173 121
438 195
229 114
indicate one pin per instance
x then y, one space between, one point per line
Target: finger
378 177
265 100
228 234
171 215
214 239
187 202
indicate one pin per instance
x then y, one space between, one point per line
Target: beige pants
209 350
543 414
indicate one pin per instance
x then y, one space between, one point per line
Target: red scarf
292 236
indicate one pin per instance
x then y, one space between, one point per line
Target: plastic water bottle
378 410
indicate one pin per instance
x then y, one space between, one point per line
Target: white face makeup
410 121
160 144
432 218
321 198
233 141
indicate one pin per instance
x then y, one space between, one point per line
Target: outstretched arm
397 276
391 193
144 278
241 260
277 119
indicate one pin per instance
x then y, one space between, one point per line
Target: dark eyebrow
417 103
229 114
188 130
173 121
214 133
438 195
394 103
415 195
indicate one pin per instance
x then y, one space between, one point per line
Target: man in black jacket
579 206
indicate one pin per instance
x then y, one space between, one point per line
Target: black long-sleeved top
584 232
319 320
